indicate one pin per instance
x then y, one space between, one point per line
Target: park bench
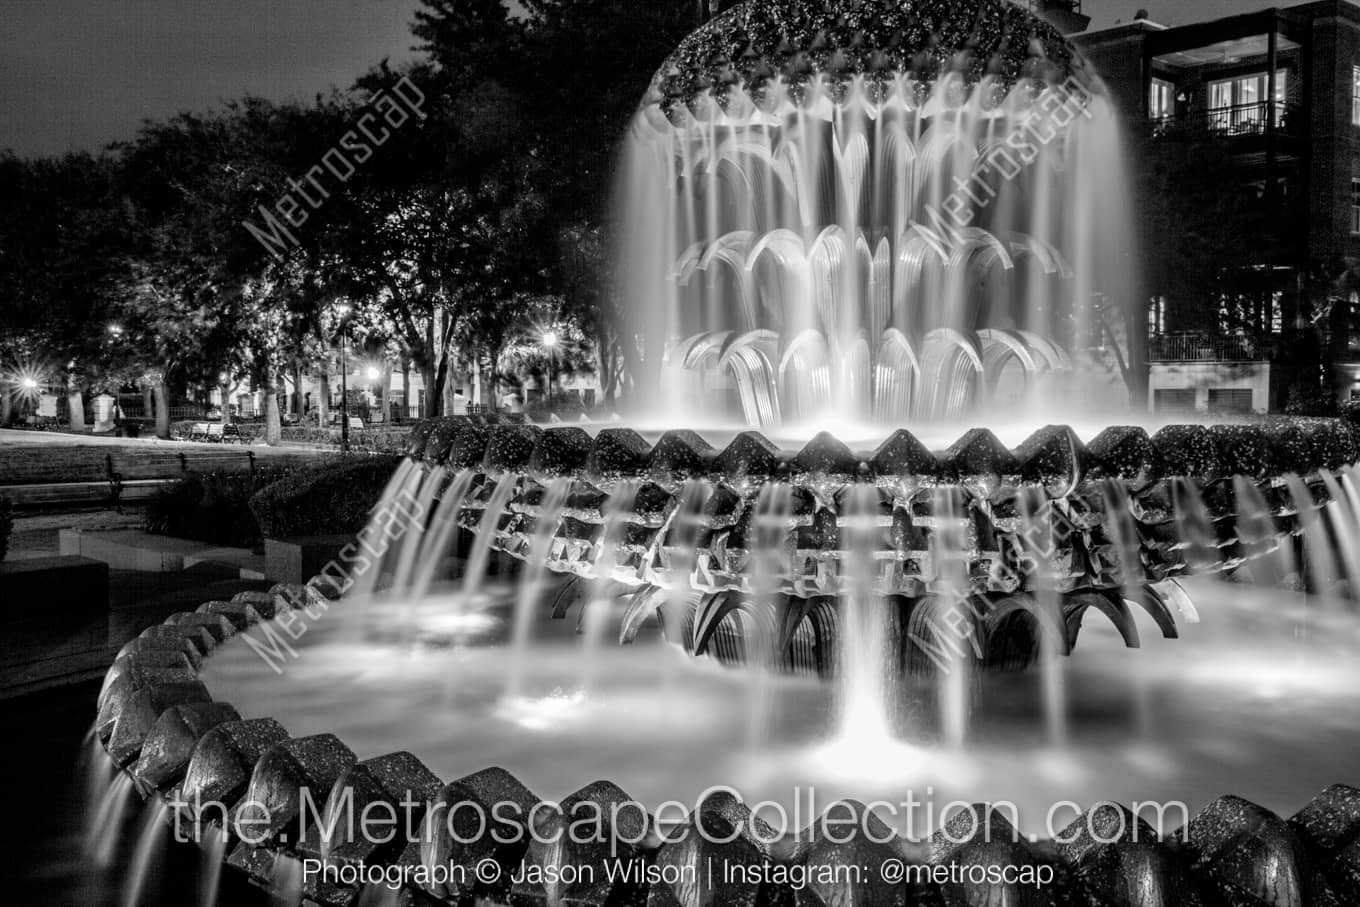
152 469
217 433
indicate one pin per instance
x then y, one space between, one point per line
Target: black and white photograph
680 453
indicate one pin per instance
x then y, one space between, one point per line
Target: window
1230 401
1355 95
1157 315
1161 100
1177 402
1240 105
1355 206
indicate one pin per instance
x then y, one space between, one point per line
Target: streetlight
550 341
343 310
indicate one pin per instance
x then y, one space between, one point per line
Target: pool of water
1259 700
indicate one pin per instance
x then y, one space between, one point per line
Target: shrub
6 525
210 507
375 440
328 500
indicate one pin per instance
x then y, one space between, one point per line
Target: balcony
1237 121
1200 347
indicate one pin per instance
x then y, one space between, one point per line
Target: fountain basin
1229 848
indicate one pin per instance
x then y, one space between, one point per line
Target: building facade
1282 88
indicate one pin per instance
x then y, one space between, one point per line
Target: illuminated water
1258 699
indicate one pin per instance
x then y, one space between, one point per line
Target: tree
62 237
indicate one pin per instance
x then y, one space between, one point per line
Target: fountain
823 230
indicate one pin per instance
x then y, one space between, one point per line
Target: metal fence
1197 347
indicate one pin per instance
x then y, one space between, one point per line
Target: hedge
328 500
6 525
375 440
212 507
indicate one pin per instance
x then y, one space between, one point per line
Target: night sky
76 74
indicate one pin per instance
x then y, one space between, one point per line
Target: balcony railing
1195 347
1238 120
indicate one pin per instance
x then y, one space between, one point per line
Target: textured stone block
1328 821
140 711
1112 852
396 780
217 626
170 744
1243 450
826 455
457 812
1186 450
133 665
979 457
561 451
903 456
846 842
120 691
750 456
264 603
983 836
560 849
1121 452
679 455
281 775
220 770
457 443
155 645
695 851
241 614
418 438
1247 852
510 447
1053 457
618 453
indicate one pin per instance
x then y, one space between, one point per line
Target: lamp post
344 309
550 341
375 391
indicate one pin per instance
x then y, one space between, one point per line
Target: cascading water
887 246
869 679
595 624
531 585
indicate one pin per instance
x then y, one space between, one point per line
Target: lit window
1161 100
1355 206
1355 95
1157 315
1240 105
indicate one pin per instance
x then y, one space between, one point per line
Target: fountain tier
753 546
879 211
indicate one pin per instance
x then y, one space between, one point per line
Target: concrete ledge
298 559
66 583
130 549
